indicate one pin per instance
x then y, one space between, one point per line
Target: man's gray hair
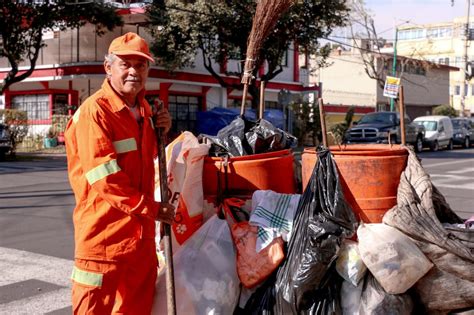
110 58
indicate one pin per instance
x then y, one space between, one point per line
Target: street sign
392 85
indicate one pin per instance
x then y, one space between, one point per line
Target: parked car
5 142
439 131
463 132
384 127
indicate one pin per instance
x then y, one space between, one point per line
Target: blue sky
389 13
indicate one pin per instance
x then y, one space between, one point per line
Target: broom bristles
266 16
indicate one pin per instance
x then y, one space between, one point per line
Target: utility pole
394 65
465 61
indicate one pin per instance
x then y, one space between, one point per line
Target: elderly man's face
128 75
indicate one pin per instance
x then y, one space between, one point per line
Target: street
36 232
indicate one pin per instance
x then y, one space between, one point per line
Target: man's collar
117 103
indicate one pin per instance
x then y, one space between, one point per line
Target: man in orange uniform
111 144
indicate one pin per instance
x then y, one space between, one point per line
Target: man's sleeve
99 162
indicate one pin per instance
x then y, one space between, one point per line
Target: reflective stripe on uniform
101 171
86 277
125 145
75 117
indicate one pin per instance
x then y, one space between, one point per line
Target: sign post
391 88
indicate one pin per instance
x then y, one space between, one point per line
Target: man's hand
165 213
162 119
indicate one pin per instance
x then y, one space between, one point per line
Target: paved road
36 237
453 173
36 233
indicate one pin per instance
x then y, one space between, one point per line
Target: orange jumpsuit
111 171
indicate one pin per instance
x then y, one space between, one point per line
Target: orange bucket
369 175
245 174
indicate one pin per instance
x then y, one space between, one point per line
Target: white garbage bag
205 272
392 257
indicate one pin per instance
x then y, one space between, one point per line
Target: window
37 106
60 104
458 61
183 111
457 90
443 61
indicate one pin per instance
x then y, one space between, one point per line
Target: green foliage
445 110
17 124
339 130
307 122
22 24
59 122
220 29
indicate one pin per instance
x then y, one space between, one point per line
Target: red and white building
70 69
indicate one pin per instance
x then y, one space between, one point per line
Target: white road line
455 186
447 163
464 170
17 265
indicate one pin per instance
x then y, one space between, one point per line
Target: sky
388 13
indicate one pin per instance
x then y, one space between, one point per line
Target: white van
439 131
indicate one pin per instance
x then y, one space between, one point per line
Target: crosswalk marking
17 266
452 179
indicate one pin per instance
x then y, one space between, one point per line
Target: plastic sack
350 297
184 163
308 282
393 259
349 265
244 137
206 280
375 301
263 301
252 267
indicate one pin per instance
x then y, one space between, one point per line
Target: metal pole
77 44
394 66
464 61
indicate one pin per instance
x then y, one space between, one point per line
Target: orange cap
130 44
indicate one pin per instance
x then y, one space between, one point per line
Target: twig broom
266 16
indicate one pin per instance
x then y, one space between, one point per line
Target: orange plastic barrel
245 174
369 176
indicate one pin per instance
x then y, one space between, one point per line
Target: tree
368 43
22 24
219 30
339 130
445 110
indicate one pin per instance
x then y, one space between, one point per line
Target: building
70 69
345 83
443 44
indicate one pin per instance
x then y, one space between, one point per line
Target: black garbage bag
244 137
262 301
264 137
307 282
